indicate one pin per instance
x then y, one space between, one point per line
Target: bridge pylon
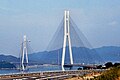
24 55
66 38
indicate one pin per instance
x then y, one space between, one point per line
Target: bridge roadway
81 65
54 75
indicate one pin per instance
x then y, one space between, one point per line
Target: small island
6 65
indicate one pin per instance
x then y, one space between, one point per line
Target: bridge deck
79 65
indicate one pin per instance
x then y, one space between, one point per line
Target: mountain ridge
80 55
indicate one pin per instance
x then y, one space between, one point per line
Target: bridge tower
66 37
24 55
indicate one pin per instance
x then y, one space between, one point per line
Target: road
48 75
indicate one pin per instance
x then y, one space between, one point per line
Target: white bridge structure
24 54
67 40
66 37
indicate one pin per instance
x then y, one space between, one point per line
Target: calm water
38 69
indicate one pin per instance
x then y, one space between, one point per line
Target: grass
112 74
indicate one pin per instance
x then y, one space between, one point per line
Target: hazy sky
99 20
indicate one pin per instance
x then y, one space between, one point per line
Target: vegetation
109 64
112 74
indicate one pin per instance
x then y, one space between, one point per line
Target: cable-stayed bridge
70 42
67 37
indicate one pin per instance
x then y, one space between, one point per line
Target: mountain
80 55
8 58
109 53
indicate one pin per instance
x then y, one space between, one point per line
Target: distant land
6 65
80 55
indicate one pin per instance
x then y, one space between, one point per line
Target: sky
99 20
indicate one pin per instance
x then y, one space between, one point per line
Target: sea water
35 69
